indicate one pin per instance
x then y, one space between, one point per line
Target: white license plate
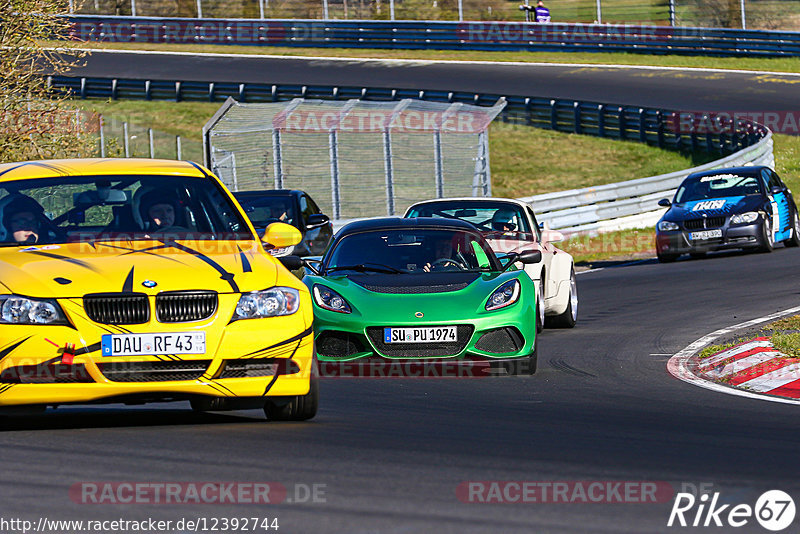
707 234
429 334
153 344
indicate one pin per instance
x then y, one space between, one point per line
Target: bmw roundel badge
149 283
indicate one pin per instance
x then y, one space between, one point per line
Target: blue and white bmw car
741 207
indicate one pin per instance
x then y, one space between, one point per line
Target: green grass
787 323
787 343
619 245
714 349
756 64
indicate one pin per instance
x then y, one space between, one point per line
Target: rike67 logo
774 510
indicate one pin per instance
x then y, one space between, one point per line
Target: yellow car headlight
267 303
16 309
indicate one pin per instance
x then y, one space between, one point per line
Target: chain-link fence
356 158
763 14
117 138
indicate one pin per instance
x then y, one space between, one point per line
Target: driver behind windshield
24 221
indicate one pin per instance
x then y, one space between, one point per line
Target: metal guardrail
614 206
476 35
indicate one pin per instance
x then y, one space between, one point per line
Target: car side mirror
315 220
530 256
281 235
664 202
315 265
291 262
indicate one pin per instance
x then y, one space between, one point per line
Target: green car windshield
410 250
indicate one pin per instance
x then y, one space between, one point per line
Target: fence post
324 16
553 116
178 150
576 109
102 137
660 128
199 9
622 124
391 9
333 146
744 24
261 9
642 126
672 13
437 160
125 135
599 13
277 158
388 160
601 120
150 141
133 8
461 10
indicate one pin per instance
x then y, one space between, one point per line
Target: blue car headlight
667 226
329 299
271 302
16 309
745 218
503 296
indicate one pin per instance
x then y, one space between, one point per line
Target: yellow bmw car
134 281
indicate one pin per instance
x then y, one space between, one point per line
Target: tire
794 241
666 258
569 317
767 244
540 307
298 407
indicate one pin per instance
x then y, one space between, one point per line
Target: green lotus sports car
421 289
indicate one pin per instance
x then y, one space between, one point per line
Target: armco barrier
477 35
626 204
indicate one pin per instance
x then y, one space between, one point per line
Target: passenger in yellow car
158 210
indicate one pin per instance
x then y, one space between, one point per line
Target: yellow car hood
75 269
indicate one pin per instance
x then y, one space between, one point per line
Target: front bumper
733 237
253 358
499 336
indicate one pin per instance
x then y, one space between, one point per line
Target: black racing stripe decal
148 251
270 384
216 388
127 286
224 275
6 351
36 164
299 336
67 259
245 262
88 350
5 388
232 393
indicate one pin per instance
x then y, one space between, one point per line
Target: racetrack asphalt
689 90
391 452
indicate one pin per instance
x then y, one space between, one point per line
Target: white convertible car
510 225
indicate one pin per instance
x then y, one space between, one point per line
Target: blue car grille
708 222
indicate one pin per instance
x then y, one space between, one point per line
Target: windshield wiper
364 267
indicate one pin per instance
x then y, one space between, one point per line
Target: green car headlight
329 299
267 303
15 309
745 218
504 295
667 226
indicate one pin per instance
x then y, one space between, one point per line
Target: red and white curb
753 369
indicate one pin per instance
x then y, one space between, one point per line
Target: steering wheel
444 262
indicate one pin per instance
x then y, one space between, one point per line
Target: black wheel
569 317
767 244
540 307
666 258
697 255
297 407
794 241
